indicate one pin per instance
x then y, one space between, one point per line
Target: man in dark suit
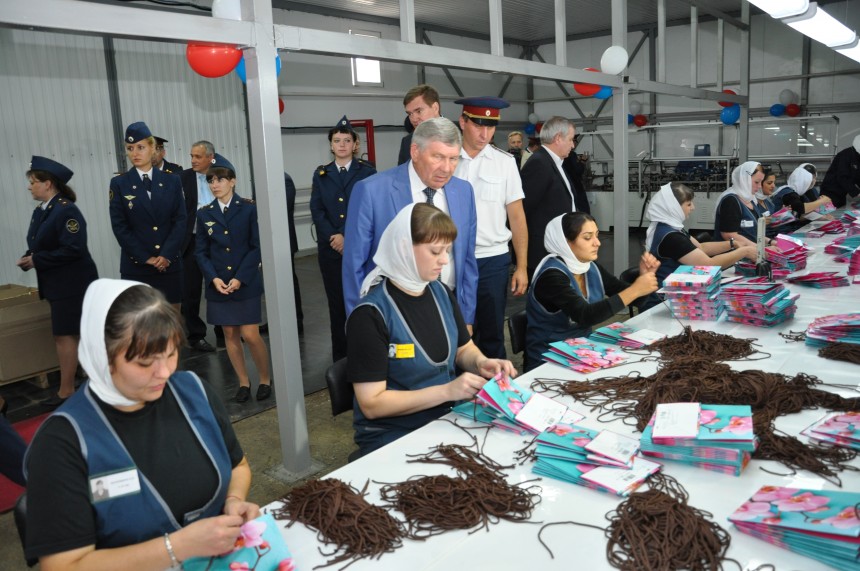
574 167
427 177
197 195
158 160
548 191
290 187
420 103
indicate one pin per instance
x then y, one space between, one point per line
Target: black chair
703 237
339 389
517 329
629 275
20 515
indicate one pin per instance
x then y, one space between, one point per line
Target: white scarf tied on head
395 258
742 182
800 180
665 208
92 350
557 245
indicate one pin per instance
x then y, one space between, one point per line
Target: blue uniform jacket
329 199
228 246
146 227
375 201
57 240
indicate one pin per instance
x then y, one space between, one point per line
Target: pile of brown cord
477 497
656 529
341 516
841 352
698 343
634 399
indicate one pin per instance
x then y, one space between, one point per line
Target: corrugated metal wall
55 102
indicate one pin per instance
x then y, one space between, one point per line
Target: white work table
515 546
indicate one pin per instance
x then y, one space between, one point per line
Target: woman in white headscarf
673 246
800 193
140 469
570 292
736 214
406 338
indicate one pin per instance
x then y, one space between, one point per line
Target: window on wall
366 71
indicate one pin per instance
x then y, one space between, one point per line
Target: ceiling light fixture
821 27
781 8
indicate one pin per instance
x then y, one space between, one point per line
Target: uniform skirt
235 312
168 284
66 315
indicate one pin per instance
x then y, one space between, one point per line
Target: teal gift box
260 547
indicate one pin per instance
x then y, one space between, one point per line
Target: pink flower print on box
739 425
585 468
845 519
515 405
807 501
505 385
239 566
287 565
751 510
708 417
560 429
773 493
252 533
848 417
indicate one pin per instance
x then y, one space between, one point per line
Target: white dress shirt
440 201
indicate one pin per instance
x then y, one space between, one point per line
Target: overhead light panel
821 27
781 8
852 50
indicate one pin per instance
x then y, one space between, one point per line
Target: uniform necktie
225 210
429 193
147 185
342 170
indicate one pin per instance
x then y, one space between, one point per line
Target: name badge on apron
114 484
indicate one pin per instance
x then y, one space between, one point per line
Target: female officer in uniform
332 185
228 253
147 213
57 249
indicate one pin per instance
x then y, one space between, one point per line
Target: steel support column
497 34
694 47
621 146
560 33
661 41
744 57
407 21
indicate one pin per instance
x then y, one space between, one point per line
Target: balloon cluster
731 111
787 104
613 62
217 60
635 116
533 127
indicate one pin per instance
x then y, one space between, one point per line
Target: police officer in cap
147 212
228 253
158 160
495 177
57 249
332 185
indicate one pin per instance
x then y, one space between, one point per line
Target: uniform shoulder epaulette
116 174
502 151
249 200
365 163
321 169
64 201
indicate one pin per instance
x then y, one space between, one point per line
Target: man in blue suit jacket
376 200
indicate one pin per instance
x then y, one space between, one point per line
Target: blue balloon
240 68
777 109
629 118
730 115
530 129
604 93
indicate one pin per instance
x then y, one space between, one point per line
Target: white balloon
787 97
533 118
227 9
614 60
635 107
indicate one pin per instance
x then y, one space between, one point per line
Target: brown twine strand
794 336
477 497
634 398
841 352
341 516
698 343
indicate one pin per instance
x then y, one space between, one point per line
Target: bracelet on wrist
169 546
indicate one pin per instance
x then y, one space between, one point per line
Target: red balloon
280 106
640 120
792 109
212 60
587 89
538 127
727 103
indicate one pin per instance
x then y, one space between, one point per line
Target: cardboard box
26 343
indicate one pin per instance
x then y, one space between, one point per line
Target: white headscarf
800 180
92 350
557 245
742 181
395 258
665 208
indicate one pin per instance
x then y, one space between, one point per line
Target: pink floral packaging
259 547
819 524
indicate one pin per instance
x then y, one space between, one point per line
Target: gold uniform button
155 228
341 215
227 249
229 267
226 232
157 247
340 199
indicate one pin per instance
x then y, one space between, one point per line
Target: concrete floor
256 424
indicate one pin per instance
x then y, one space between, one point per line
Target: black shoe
53 402
203 346
243 394
264 392
219 342
264 328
